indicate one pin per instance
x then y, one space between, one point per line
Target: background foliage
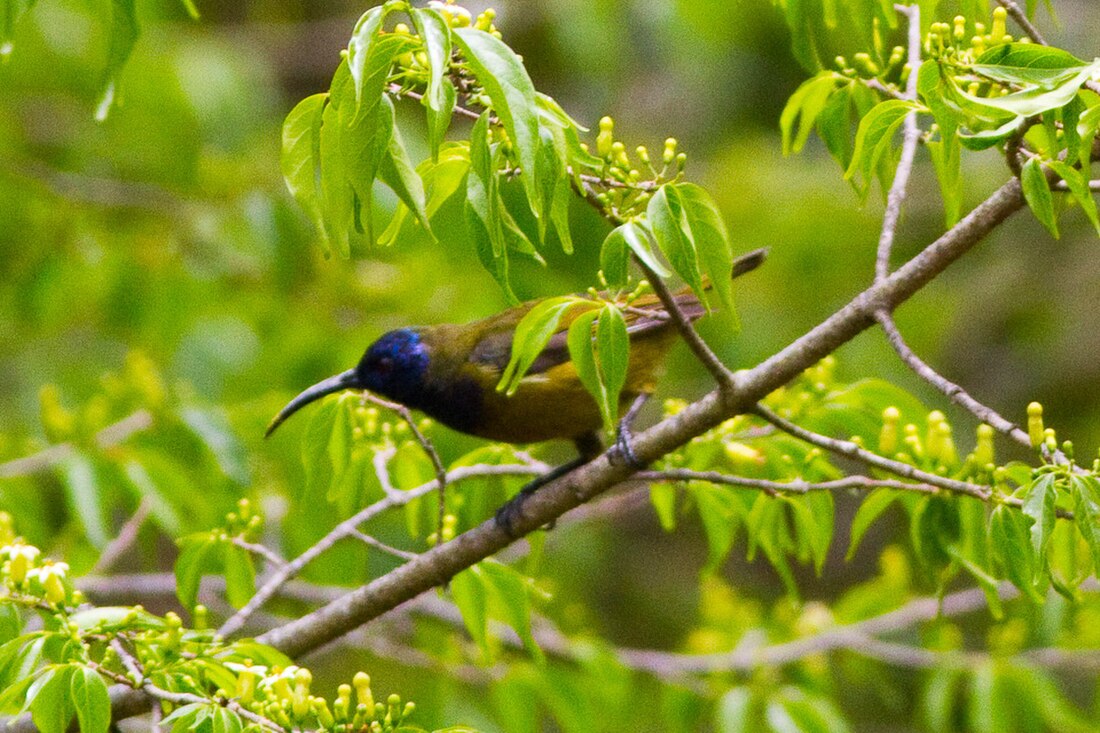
154 261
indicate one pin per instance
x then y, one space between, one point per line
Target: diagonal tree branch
438 565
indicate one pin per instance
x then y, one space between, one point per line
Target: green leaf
712 241
240 575
211 426
532 333
160 506
300 159
336 191
511 590
1028 63
90 698
366 126
940 694
1040 502
225 721
123 34
635 237
397 171
50 704
613 353
195 560
869 510
734 712
1060 89
468 593
500 72
1079 188
1012 545
1037 194
946 154
441 178
581 352
670 228
13 12
1086 506
874 136
483 207
662 496
362 63
805 105
615 258
78 474
720 513
439 97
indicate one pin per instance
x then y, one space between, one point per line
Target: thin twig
719 371
957 394
797 486
910 139
850 450
345 528
127 536
425 445
46 458
381 465
260 550
381 546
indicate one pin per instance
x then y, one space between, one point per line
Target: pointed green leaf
197 558
613 353
510 589
1079 188
396 170
532 333
469 594
1011 543
501 73
582 354
1040 503
300 159
874 136
805 105
90 698
78 474
665 213
439 97
240 575
712 241
123 34
1037 194
869 510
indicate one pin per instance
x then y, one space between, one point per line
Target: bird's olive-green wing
494 349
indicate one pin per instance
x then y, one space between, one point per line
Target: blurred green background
166 229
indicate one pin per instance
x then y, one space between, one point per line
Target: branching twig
263 551
46 458
850 450
345 529
425 445
953 391
377 544
784 487
910 140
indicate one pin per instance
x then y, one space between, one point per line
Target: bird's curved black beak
342 381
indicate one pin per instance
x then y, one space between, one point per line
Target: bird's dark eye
385 364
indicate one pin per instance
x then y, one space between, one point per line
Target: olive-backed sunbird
451 372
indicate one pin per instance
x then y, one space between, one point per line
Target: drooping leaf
439 97
1079 188
712 241
869 510
197 557
1040 504
509 588
532 333
469 594
874 136
665 213
240 575
397 171
1011 541
212 427
82 484
805 105
613 352
500 71
122 35
1037 194
300 159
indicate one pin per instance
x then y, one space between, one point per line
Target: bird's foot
622 451
509 514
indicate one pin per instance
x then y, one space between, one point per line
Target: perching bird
450 372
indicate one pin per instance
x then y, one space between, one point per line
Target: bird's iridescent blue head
394 366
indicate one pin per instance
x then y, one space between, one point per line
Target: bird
450 372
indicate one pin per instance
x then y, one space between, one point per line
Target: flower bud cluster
630 180
31 578
965 44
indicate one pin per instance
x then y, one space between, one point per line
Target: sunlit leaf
1037 194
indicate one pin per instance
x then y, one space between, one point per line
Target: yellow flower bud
888 436
999 16
983 449
1035 424
362 690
